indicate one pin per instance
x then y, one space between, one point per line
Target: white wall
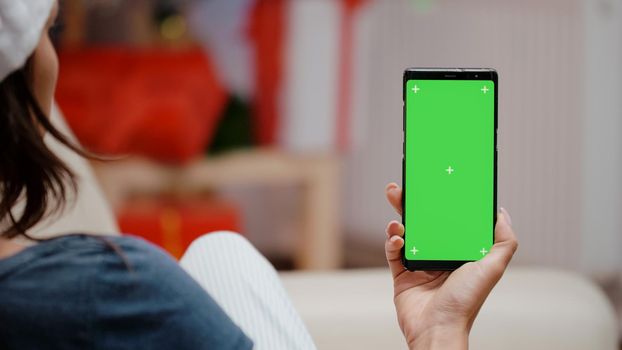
602 125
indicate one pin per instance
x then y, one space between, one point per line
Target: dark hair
29 170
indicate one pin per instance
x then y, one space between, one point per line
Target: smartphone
449 166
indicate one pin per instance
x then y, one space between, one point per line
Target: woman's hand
436 309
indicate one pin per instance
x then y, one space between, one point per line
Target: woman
79 291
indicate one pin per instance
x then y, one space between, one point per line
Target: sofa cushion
531 308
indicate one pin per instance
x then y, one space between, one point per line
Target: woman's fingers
394 196
507 216
495 262
395 231
395 228
393 247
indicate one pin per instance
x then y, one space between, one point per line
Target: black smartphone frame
445 74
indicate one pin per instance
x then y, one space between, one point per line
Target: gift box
174 223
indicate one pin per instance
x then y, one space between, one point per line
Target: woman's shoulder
82 253
71 259
118 283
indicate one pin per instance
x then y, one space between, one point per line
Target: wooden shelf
319 244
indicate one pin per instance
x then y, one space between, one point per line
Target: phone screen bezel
446 74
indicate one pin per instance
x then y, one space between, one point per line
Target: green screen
449 174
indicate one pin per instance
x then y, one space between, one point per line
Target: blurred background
282 119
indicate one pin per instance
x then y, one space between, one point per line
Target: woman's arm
436 309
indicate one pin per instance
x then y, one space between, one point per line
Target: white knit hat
21 26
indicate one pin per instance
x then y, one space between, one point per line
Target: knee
226 244
222 237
